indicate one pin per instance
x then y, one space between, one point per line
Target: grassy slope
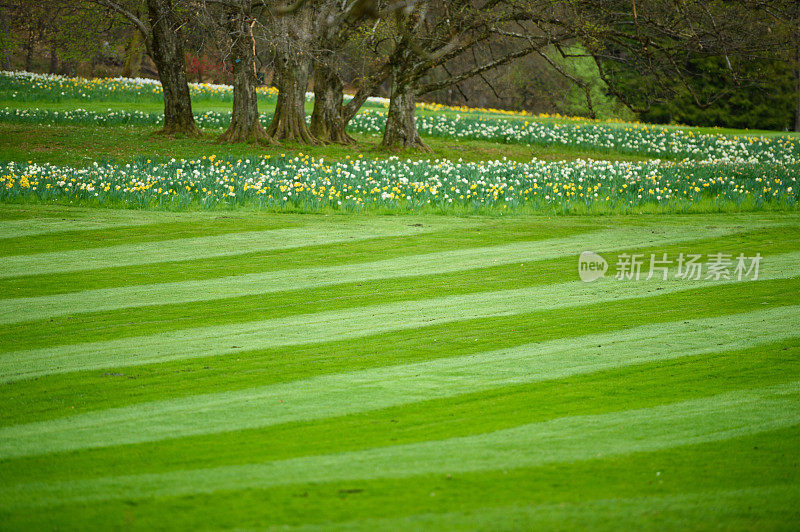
81 146
428 372
76 145
266 105
249 370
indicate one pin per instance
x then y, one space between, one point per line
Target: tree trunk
53 68
351 108
6 62
797 80
328 121
289 120
245 125
168 55
132 67
367 89
797 97
29 52
401 125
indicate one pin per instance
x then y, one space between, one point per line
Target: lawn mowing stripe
86 391
46 226
196 247
33 308
443 237
17 310
96 326
383 387
247 242
492 232
561 440
190 225
93 326
645 385
33 220
743 463
660 512
342 324
73 240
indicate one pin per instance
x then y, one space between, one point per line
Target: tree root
290 128
255 134
187 130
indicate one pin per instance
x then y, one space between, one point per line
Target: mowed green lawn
211 370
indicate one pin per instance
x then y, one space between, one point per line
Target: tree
431 34
162 40
785 16
134 51
296 38
327 120
336 23
245 123
294 33
652 53
288 29
331 114
60 32
290 44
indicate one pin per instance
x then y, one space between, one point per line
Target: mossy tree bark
167 52
328 121
245 123
401 124
29 45
134 50
289 120
53 68
797 75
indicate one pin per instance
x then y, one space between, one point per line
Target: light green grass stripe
316 234
359 391
659 512
45 226
200 247
343 324
567 439
30 220
32 308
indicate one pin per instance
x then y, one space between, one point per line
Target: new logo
591 266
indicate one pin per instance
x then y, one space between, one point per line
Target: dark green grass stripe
26 309
202 246
96 326
343 393
57 395
754 462
488 233
57 233
645 385
386 271
32 220
43 228
691 510
338 324
562 440
114 236
636 233
135 321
